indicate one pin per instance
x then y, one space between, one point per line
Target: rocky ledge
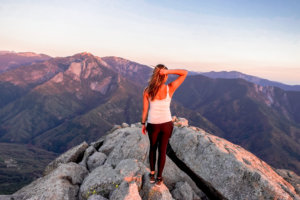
199 165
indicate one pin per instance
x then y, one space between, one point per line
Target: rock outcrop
227 170
62 183
199 165
72 155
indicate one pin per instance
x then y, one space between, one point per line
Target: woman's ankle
159 181
152 172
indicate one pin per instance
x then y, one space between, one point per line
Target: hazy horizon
259 38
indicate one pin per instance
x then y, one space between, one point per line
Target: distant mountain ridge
252 79
11 60
131 70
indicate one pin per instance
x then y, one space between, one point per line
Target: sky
256 37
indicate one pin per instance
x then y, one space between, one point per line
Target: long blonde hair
155 81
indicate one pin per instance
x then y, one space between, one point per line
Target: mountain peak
83 55
117 59
28 54
198 165
86 53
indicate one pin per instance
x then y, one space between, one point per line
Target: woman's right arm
180 72
176 83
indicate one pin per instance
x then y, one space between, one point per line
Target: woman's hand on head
163 71
144 129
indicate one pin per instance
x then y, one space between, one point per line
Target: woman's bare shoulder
145 92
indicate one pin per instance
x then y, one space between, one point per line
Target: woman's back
159 111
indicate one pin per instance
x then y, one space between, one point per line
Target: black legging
159 133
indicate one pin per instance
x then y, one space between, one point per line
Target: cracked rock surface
198 165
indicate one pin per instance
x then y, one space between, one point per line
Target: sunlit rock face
228 168
199 165
101 86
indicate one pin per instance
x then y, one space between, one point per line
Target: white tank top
159 111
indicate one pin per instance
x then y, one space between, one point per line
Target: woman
159 119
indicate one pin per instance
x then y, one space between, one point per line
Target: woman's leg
166 132
153 131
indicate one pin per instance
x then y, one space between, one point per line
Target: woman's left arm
145 106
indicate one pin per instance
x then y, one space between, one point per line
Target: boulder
133 125
138 124
60 184
151 192
184 191
124 125
105 179
96 160
228 169
98 143
179 121
126 191
88 152
125 143
102 180
72 155
115 127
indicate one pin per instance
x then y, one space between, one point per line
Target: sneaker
152 178
159 181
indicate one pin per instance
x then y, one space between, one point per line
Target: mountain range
11 60
55 104
252 79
